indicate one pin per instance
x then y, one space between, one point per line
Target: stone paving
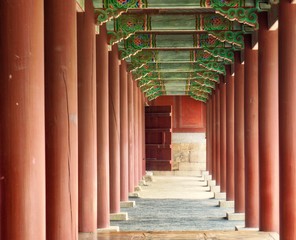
177 208
174 203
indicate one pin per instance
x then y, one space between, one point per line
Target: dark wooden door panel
158 125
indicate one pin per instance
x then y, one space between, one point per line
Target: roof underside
179 47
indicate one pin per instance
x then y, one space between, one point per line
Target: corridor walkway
176 203
178 207
175 207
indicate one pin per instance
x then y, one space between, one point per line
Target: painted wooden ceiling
179 47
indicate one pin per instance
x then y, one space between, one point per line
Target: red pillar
229 135
239 145
131 147
143 137
214 97
287 120
61 120
114 130
217 148
207 134
87 142
251 136
124 154
209 137
268 127
103 216
222 137
136 135
140 135
22 134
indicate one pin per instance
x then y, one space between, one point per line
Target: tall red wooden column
143 137
114 130
136 135
268 127
222 137
22 138
87 142
140 135
131 147
61 120
214 138
124 154
229 135
239 146
217 127
287 118
103 216
209 136
251 136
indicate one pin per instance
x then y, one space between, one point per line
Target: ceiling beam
178 49
171 11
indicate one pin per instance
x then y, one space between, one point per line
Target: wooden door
158 138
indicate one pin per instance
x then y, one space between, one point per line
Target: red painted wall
189 115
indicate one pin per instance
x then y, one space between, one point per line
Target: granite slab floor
175 203
178 208
204 235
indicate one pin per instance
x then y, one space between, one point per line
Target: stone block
208 177
148 178
226 204
275 235
122 216
134 195
109 229
220 195
127 204
87 236
235 216
243 228
215 189
143 183
211 183
205 173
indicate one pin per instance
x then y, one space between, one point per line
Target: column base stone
134 195
220 195
275 235
235 216
108 229
138 189
127 204
211 183
143 183
242 228
122 216
226 204
207 177
215 189
87 236
148 177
